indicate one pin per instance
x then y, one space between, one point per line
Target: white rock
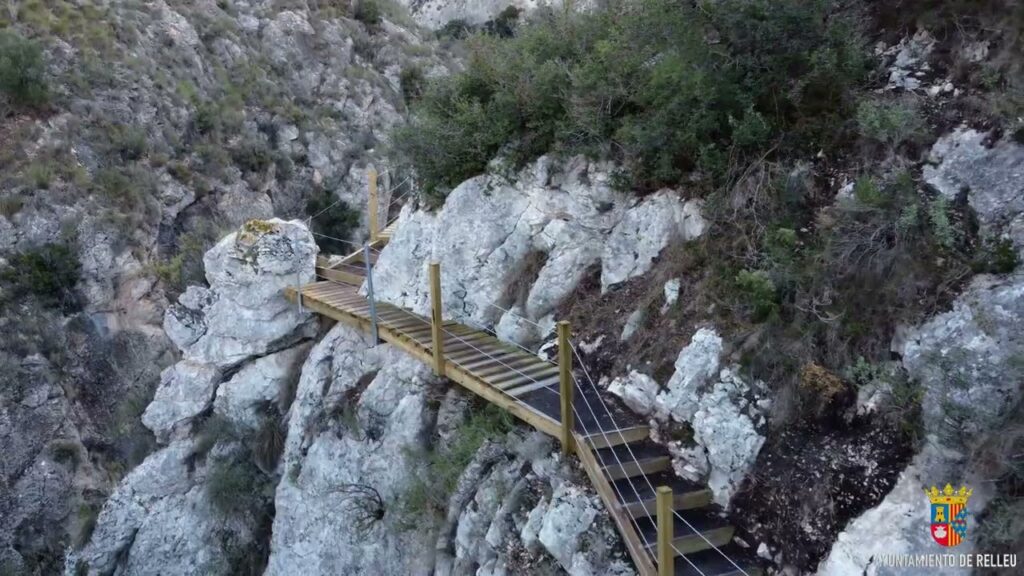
489 227
696 364
186 390
992 175
633 321
727 434
260 381
638 391
568 516
671 294
642 234
244 312
314 527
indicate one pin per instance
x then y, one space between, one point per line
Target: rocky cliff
163 408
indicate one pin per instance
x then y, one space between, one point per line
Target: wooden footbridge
668 524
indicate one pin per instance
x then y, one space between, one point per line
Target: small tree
21 73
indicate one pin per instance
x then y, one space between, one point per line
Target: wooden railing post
371 177
666 557
436 321
565 386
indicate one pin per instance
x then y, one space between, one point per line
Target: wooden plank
341 276
634 545
520 361
491 361
551 382
532 371
681 501
633 468
517 409
617 437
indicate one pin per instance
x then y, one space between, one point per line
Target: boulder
244 313
186 390
262 381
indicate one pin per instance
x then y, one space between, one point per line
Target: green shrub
998 256
368 12
444 467
252 155
48 274
759 293
889 122
235 486
11 205
22 71
412 81
334 220
639 81
87 516
268 442
65 452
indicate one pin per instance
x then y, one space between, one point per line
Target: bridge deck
517 380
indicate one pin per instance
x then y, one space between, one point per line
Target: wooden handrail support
436 321
666 556
374 205
565 386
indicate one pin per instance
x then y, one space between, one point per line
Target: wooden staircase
623 464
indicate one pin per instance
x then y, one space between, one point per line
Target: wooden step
699 529
629 460
638 498
614 438
728 560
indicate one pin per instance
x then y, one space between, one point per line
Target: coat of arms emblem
948 514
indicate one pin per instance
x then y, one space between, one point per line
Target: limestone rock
695 365
992 175
638 391
490 227
186 390
159 520
244 312
642 234
263 380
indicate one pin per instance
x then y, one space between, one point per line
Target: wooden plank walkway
503 373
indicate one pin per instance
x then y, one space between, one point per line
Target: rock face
725 412
342 506
436 13
490 230
161 518
967 360
168 125
243 314
992 175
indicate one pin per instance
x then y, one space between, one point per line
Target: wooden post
666 556
565 386
436 321
371 177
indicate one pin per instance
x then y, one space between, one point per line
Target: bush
889 122
48 274
22 72
444 467
638 81
412 82
759 294
334 220
368 12
235 486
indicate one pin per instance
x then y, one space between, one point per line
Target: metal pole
666 556
565 386
369 290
